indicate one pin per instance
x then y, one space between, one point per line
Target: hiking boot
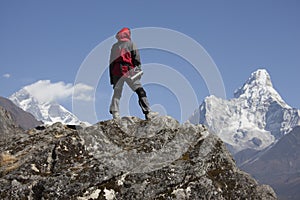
116 115
151 114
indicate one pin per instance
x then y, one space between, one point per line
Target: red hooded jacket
124 55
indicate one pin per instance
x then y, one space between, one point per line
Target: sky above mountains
45 43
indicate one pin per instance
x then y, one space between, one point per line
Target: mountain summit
258 80
259 88
47 112
254 119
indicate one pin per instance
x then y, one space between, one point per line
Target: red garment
123 35
124 55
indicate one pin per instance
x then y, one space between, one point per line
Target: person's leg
143 100
115 101
138 88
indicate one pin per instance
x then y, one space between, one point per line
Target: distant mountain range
47 112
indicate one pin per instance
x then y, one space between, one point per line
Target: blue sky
49 40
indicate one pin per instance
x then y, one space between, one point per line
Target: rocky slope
47 112
24 119
8 126
279 166
126 159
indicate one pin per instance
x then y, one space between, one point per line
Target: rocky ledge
123 159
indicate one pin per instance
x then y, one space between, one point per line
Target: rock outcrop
123 159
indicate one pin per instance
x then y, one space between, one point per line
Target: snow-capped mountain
49 112
254 119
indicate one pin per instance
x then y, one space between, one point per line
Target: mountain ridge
279 166
48 112
8 126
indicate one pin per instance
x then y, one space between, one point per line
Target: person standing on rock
125 66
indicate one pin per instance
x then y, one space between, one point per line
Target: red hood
124 35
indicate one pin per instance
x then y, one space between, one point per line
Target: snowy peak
260 77
255 119
259 80
259 88
48 112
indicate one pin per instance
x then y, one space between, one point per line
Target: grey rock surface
123 159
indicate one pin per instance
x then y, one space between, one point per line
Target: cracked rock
126 159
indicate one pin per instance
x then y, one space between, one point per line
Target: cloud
45 91
83 92
6 75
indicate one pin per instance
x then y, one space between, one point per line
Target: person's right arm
111 65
